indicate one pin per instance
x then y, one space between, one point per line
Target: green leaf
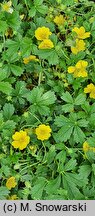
53 58
68 2
6 170
84 172
67 97
8 111
79 136
38 2
13 20
61 120
4 192
41 100
37 189
92 119
61 156
44 54
65 132
82 123
20 89
42 9
32 11
70 165
53 185
3 75
66 128
48 98
26 46
51 155
3 26
13 46
5 87
9 125
17 70
93 168
71 187
68 108
80 99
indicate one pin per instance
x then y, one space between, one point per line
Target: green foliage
37 91
3 193
40 101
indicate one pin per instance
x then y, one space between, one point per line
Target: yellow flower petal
59 20
11 183
74 50
21 140
7 7
42 33
71 69
81 34
46 44
92 94
86 146
89 88
43 132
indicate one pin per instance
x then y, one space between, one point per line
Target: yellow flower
26 60
86 146
7 7
80 46
13 197
90 89
11 183
59 20
21 140
79 70
43 132
81 34
42 33
46 44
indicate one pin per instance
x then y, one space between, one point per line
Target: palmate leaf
70 126
40 101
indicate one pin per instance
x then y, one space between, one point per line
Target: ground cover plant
47 99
